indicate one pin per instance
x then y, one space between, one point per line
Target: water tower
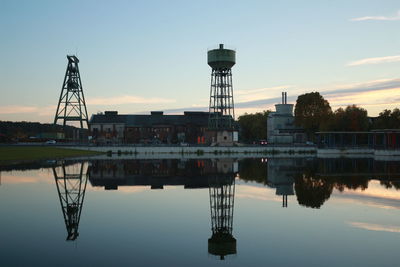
221 106
71 105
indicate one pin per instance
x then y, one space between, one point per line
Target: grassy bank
14 153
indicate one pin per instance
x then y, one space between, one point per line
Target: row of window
147 129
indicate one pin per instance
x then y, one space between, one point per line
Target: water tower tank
221 58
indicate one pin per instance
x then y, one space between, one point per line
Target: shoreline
13 154
21 153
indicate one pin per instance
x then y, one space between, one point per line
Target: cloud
376 227
375 85
127 99
255 94
375 60
381 18
341 95
13 109
376 94
257 193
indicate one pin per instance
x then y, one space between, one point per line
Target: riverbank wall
246 151
215 150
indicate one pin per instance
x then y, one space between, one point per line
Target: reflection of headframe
71 184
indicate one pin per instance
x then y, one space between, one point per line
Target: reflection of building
155 128
281 175
71 186
222 195
366 168
154 173
217 175
280 125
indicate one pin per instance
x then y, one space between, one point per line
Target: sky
139 56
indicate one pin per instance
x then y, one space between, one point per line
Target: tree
387 119
253 126
351 119
311 111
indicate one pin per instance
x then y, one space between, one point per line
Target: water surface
220 212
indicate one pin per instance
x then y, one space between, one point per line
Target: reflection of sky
170 226
375 195
376 227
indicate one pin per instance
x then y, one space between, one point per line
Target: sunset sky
138 56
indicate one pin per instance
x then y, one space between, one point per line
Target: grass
14 153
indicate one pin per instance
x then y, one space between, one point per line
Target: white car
51 142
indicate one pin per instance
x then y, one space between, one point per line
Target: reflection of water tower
221 106
222 194
71 105
71 184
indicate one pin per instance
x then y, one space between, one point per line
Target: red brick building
156 128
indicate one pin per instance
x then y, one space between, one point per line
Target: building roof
155 118
361 132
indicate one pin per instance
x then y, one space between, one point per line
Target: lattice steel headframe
71 184
222 195
71 105
221 108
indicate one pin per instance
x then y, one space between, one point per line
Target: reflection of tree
253 170
312 192
391 184
354 182
71 186
315 179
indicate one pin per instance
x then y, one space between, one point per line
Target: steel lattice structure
71 187
71 105
221 107
222 195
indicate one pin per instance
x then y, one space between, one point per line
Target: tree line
313 113
13 131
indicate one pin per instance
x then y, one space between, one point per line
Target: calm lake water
219 212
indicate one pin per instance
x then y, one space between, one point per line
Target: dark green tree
253 127
387 119
351 119
311 111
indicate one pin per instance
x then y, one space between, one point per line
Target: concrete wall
196 150
355 151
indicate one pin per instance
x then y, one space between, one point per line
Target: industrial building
155 128
280 125
386 139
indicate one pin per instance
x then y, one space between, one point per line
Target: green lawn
34 153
